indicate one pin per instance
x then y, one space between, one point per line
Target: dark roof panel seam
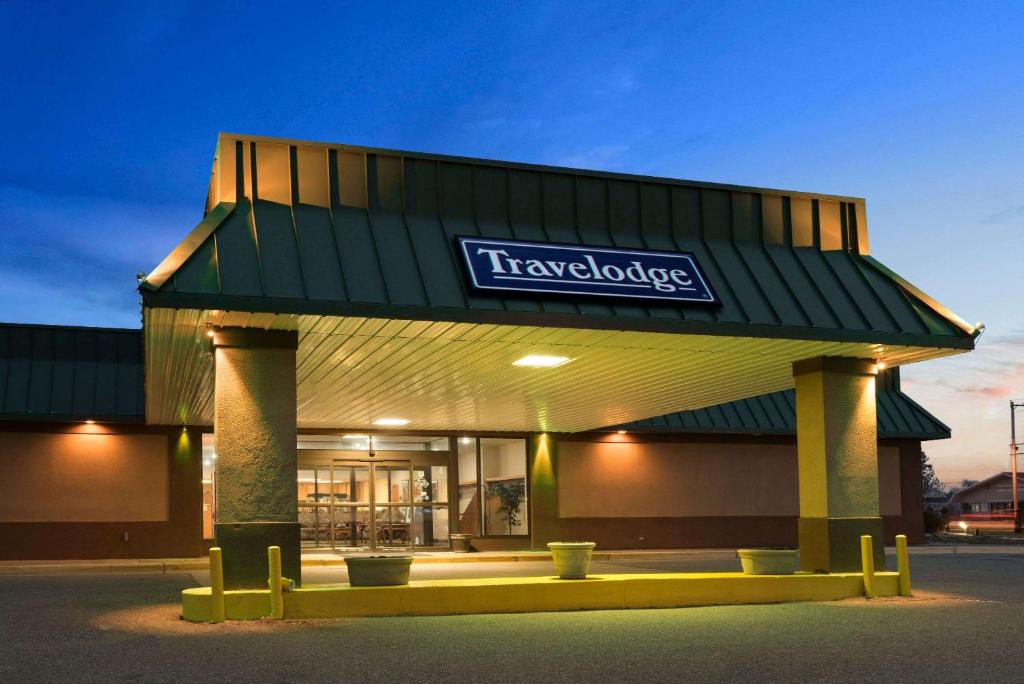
839 292
857 306
758 287
825 299
254 236
876 296
788 287
811 290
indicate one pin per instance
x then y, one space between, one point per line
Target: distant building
990 499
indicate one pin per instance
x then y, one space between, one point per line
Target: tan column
837 446
255 433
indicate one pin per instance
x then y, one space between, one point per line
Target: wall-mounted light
466 440
90 421
621 432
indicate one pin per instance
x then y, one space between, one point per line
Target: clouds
971 393
72 259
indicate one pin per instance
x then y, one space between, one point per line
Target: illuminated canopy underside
459 376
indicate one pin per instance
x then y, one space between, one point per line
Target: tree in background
930 484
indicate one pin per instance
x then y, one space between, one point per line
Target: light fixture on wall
621 432
541 361
90 421
394 422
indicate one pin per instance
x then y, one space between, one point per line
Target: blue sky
110 115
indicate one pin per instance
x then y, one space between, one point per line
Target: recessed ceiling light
391 421
541 361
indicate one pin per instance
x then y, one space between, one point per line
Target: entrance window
492 487
469 487
209 508
503 477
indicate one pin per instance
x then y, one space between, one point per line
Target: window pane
391 483
408 443
469 490
503 480
209 459
431 484
430 526
334 442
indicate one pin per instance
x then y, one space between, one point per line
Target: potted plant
774 561
510 497
572 559
461 543
378 571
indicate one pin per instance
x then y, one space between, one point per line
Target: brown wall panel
52 477
901 506
180 535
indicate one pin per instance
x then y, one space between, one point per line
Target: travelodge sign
521 267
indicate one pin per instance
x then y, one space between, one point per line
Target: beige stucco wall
255 434
623 480
83 477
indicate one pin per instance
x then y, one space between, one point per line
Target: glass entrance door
391 499
353 497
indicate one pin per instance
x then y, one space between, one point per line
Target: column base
833 544
244 548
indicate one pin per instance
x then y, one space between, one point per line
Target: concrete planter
378 571
461 543
768 561
572 559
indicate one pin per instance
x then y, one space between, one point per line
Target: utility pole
1014 405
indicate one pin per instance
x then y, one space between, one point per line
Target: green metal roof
70 373
339 230
899 416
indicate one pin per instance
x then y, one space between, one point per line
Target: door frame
316 459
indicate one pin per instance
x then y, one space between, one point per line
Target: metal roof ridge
943 312
527 166
177 257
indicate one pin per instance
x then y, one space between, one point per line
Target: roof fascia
279 305
187 247
935 306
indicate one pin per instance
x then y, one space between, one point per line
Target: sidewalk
326 558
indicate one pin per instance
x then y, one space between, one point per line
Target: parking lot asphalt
965 622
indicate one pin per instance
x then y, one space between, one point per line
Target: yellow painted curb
540 594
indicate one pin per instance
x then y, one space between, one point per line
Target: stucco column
837 446
255 433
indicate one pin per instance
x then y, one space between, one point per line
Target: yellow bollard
274 583
216 585
903 564
867 561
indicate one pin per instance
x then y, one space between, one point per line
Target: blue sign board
542 267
